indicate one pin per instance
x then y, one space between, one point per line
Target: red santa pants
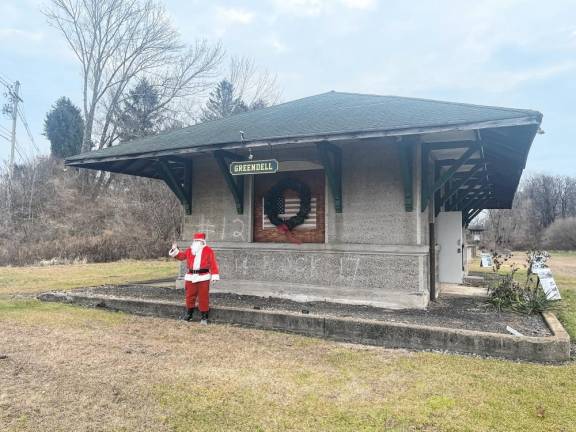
197 290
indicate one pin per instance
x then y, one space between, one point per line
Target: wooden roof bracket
407 150
454 186
182 189
234 183
331 158
429 188
476 203
471 216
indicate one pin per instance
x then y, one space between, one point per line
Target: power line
23 159
6 77
5 82
23 118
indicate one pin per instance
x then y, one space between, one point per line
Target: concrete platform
462 290
309 293
554 348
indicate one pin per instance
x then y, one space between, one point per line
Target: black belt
199 271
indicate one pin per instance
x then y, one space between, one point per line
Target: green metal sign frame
249 167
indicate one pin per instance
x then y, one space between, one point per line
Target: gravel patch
470 313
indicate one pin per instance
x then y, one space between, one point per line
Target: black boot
188 315
204 318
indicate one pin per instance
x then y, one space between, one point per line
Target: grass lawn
68 368
35 279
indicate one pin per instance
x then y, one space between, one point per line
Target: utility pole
15 99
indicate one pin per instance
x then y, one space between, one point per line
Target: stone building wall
371 254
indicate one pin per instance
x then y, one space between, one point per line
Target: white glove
215 278
174 251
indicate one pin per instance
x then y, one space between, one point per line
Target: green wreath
276 192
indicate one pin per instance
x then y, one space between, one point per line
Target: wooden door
312 230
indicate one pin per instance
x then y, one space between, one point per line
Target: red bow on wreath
286 231
271 209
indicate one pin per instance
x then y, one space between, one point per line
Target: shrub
561 235
55 217
507 292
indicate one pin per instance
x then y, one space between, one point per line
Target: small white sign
486 260
547 282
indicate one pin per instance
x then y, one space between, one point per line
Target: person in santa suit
202 269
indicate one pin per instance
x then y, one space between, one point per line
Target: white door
449 238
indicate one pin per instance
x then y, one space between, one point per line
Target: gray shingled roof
329 113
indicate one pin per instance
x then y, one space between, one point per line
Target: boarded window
312 230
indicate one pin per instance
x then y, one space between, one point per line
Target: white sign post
547 282
486 260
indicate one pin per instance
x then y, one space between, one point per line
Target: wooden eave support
331 158
474 214
449 162
453 187
182 189
406 150
467 218
476 203
438 192
429 190
450 145
465 200
234 183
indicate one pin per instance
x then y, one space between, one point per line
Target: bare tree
252 85
137 218
567 196
117 41
540 202
544 193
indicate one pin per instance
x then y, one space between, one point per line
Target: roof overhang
85 159
477 164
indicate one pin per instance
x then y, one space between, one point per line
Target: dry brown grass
36 279
77 369
73 369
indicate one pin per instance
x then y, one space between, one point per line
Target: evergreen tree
64 128
140 113
223 103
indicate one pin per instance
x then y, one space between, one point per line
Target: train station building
339 197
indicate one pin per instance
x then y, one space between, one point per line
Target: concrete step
475 281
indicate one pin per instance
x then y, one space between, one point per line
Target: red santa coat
205 259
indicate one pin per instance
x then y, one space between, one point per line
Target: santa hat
200 236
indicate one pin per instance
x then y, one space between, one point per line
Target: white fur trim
196 277
174 252
215 277
197 260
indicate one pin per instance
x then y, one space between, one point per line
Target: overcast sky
513 53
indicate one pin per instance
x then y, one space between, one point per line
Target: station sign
269 166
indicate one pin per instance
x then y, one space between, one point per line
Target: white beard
197 247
